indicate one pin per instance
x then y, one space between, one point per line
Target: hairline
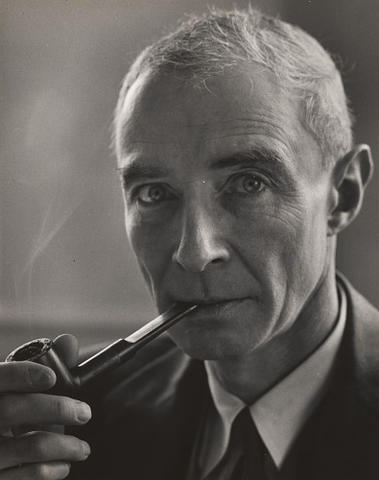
309 100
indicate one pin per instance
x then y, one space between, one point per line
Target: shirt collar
281 413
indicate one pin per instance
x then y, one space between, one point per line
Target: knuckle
64 408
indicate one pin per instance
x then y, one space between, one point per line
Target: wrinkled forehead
234 91
169 113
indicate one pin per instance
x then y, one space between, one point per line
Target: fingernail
86 449
83 412
42 378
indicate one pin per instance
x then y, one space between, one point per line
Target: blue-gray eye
152 194
252 184
246 183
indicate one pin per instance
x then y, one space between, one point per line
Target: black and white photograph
189 233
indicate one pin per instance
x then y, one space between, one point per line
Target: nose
201 244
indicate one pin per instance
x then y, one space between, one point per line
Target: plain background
65 262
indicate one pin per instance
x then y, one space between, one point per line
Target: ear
350 176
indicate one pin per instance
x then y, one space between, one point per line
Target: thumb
67 347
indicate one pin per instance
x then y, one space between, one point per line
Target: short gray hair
205 45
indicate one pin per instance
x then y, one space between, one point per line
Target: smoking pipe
69 380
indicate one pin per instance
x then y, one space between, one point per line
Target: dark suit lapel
341 437
174 428
154 436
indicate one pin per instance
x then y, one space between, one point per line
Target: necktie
245 456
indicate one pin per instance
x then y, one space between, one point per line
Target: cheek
152 248
302 252
285 246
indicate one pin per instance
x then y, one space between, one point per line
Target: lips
213 306
206 302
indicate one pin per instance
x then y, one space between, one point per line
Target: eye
153 194
246 183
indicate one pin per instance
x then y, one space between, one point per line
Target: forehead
166 117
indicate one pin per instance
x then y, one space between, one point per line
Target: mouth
205 301
212 304
212 313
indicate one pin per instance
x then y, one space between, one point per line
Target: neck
250 376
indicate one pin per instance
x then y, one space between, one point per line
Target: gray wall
65 262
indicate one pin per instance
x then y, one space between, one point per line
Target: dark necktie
244 458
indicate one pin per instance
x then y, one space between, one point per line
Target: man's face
226 205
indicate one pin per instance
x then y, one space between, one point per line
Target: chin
210 346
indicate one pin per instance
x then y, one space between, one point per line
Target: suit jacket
148 413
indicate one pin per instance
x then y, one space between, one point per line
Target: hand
27 450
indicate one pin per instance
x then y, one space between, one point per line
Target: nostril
217 260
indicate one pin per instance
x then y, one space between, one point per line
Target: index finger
25 377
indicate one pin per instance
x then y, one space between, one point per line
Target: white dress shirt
281 412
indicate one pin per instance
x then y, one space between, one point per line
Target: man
234 144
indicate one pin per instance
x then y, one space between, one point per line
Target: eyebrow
138 171
262 157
